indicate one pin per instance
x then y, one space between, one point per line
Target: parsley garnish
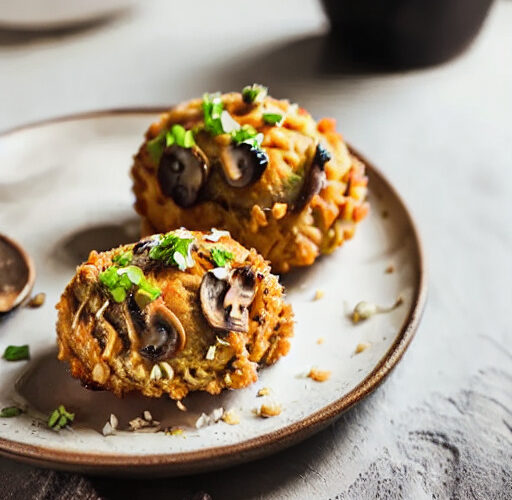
272 118
212 109
16 353
254 93
10 411
220 256
177 135
173 250
124 258
60 418
180 136
249 135
119 281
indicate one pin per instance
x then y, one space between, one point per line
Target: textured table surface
441 425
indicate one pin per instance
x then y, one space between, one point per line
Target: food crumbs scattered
362 346
269 410
390 269
319 294
37 300
264 391
385 214
110 427
144 423
364 310
231 417
181 406
319 375
320 341
205 420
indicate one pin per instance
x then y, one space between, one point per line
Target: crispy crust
259 215
109 358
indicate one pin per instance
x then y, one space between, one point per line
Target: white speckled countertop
441 425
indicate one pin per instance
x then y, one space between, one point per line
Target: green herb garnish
173 250
10 411
249 135
212 109
124 258
254 93
16 353
60 418
220 256
120 280
272 118
180 136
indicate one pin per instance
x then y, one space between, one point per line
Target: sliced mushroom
225 300
243 164
315 179
182 173
162 333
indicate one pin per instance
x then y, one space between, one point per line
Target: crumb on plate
362 346
231 417
269 410
319 375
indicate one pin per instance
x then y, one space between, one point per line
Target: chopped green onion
133 273
10 411
16 353
212 110
249 135
173 250
272 118
220 256
254 93
120 280
292 181
60 418
124 258
118 294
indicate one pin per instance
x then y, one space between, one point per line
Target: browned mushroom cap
226 296
315 179
243 164
162 334
182 173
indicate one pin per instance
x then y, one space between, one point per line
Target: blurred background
424 89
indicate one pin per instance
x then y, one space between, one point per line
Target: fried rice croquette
177 312
259 167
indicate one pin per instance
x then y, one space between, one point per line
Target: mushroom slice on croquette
259 167
173 313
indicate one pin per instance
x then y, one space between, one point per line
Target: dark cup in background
404 33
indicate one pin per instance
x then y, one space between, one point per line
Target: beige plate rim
223 456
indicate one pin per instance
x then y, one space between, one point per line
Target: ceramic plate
65 189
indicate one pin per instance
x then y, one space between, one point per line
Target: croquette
259 167
173 313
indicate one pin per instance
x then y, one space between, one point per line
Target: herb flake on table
10 411
16 353
60 418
